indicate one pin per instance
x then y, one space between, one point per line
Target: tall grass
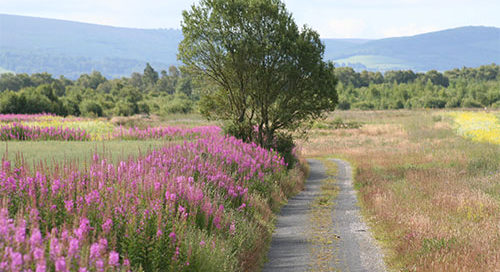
431 196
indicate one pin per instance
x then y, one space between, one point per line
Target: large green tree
263 74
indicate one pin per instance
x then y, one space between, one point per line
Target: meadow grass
431 196
185 120
51 152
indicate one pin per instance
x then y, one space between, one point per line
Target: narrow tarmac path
291 245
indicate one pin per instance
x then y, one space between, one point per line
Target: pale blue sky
331 18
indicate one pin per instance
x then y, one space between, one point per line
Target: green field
374 62
51 152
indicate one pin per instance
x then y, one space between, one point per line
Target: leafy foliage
466 87
268 76
94 95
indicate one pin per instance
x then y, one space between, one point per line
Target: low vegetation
200 200
204 205
432 196
48 127
478 126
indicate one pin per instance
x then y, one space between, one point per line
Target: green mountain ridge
30 45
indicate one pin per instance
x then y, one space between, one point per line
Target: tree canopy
265 75
94 95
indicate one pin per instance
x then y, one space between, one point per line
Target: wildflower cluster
43 127
168 133
5 118
190 207
20 132
478 126
38 127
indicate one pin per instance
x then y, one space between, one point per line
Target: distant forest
465 88
92 94
171 91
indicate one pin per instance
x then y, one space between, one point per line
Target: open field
51 152
149 198
431 196
53 139
431 192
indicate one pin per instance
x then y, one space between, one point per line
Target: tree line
465 87
172 91
92 94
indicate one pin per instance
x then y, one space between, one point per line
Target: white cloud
407 30
342 28
125 13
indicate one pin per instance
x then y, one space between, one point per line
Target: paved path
356 250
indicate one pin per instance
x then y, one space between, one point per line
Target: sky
367 19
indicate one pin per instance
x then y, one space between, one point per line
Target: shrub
453 102
364 105
434 102
471 103
496 105
179 104
123 108
344 105
91 108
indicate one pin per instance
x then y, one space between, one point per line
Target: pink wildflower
114 258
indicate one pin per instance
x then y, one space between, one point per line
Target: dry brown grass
433 198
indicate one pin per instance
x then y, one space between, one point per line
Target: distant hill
442 50
29 45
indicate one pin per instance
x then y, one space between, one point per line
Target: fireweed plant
204 205
20 132
46 127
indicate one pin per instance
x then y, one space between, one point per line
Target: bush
143 107
282 142
471 103
434 103
453 102
285 146
123 108
11 102
179 104
90 108
496 105
344 105
364 105
395 105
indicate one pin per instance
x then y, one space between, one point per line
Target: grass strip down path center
321 228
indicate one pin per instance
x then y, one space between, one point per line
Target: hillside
29 45
441 50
